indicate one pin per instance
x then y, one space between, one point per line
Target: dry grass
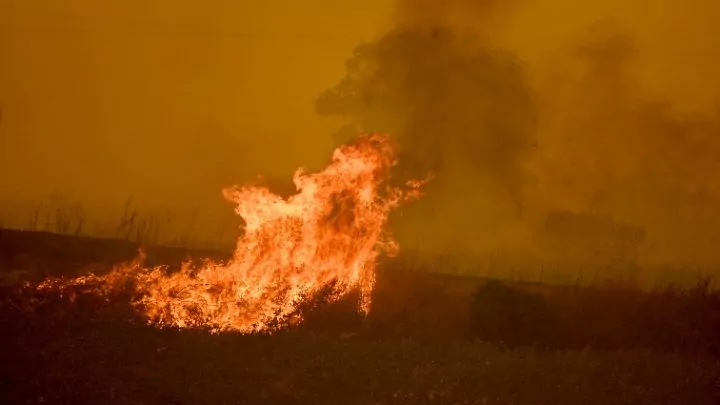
94 355
419 344
60 215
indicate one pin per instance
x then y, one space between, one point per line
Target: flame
327 236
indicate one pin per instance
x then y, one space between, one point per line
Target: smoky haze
582 135
581 156
164 102
459 111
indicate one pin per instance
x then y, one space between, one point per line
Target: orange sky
168 101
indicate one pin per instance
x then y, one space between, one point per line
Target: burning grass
329 234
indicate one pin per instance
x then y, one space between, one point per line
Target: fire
327 236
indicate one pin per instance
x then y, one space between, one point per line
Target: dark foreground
417 346
83 360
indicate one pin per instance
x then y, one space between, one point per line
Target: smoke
463 14
616 149
458 108
518 141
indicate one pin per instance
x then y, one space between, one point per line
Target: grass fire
329 234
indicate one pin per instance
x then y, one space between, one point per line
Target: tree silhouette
443 97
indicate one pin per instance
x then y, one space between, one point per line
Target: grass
82 360
420 344
59 215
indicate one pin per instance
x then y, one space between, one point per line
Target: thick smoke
445 98
459 110
600 172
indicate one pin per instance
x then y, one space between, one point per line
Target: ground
94 352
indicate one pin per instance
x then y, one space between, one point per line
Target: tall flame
328 235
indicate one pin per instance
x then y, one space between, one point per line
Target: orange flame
328 235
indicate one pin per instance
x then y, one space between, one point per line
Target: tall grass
143 227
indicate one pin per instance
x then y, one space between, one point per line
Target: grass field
420 343
97 362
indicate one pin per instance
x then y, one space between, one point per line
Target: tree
443 97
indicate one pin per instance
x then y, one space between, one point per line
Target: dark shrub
510 317
681 320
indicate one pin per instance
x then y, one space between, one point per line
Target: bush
677 320
510 317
